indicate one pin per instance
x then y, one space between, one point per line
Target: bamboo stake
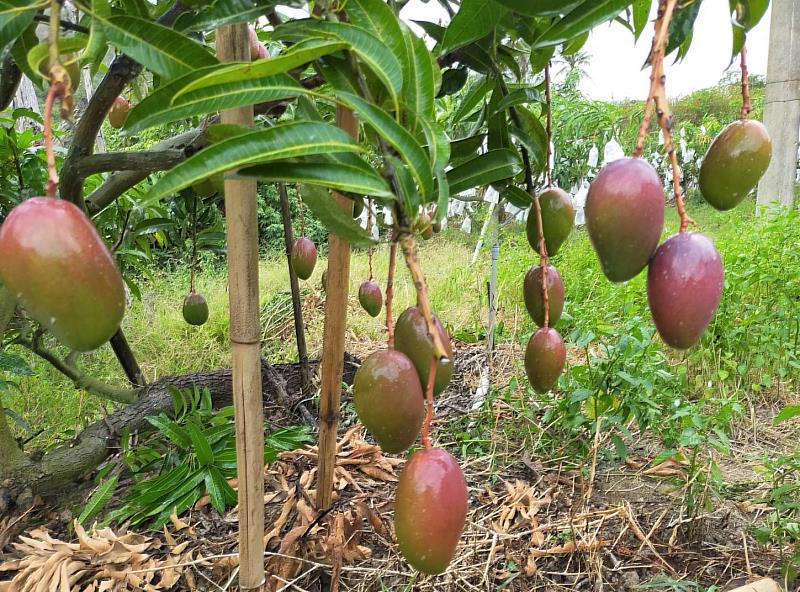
299 328
765 585
240 209
333 339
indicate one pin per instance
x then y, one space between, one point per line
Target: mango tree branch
80 380
10 77
123 69
143 161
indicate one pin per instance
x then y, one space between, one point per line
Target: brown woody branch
144 161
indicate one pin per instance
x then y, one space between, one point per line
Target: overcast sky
614 70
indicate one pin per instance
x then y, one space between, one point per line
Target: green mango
61 272
388 399
195 309
411 338
558 218
734 163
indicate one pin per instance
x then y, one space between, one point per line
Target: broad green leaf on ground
224 12
369 48
539 7
580 19
485 169
15 16
298 55
160 107
352 177
286 140
333 217
200 444
787 413
474 20
161 50
405 144
101 496
66 45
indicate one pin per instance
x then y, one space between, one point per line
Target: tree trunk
64 465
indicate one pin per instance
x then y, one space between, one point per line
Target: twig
549 103
42 18
746 105
426 424
390 294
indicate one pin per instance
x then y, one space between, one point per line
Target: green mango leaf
201 446
175 433
15 17
497 124
641 13
221 493
582 18
419 81
20 50
161 50
66 45
298 55
224 12
749 12
376 17
287 140
405 144
473 97
453 80
466 147
436 32
474 20
101 496
333 217
369 48
539 7
351 177
163 107
520 96
516 196
681 26
485 169
97 46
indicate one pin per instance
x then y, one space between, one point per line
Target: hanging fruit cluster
389 399
550 221
625 210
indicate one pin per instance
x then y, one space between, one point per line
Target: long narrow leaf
333 217
495 165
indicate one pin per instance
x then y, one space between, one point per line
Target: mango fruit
388 399
411 337
684 287
430 509
195 309
545 357
119 112
532 294
55 262
370 297
558 218
304 257
734 163
625 216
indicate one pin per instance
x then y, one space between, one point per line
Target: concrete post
782 104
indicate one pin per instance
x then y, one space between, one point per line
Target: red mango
304 257
545 357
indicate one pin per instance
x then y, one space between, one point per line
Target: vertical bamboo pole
299 328
242 223
333 339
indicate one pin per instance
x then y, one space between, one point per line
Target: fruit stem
302 213
194 244
549 103
369 230
55 19
426 424
665 10
390 293
543 259
56 90
746 105
411 254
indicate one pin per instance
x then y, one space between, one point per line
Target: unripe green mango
625 216
411 338
544 359
61 272
304 257
532 293
734 163
558 218
388 399
430 509
370 297
195 309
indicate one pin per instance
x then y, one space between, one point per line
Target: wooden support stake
765 585
242 222
333 339
299 327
